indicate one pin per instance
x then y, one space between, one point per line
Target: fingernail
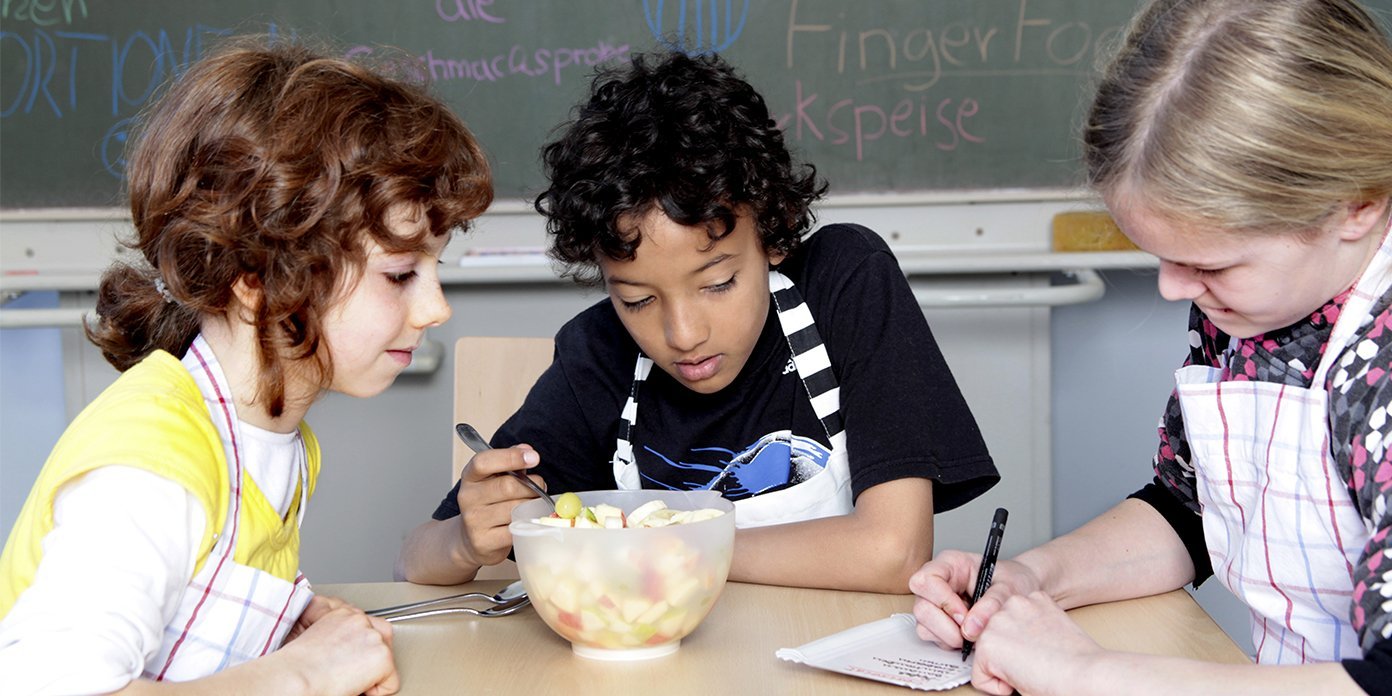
974 625
531 457
958 618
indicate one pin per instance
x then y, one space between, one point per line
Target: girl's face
377 323
1250 283
695 308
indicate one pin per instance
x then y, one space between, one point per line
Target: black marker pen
988 566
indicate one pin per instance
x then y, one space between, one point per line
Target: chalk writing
113 148
946 121
696 26
880 94
919 56
466 11
43 13
134 64
521 62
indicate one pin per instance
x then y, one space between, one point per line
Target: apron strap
202 363
625 470
1372 285
809 353
809 356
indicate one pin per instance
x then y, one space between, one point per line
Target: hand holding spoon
476 443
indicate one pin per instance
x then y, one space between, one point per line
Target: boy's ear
247 290
1362 218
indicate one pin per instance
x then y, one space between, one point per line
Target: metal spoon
509 600
476 443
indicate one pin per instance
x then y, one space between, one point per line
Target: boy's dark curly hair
684 133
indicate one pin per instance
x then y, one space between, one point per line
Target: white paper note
887 650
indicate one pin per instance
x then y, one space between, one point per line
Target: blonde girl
1248 145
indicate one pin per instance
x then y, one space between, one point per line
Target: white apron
826 493
1282 531
230 613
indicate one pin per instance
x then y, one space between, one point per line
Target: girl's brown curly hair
272 164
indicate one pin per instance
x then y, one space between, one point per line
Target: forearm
1130 673
826 553
433 554
1128 551
875 548
272 674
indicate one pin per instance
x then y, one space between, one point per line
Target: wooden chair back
492 376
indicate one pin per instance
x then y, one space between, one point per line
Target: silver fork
509 600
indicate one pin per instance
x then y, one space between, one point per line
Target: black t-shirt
903 413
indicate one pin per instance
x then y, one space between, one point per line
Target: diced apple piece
705 514
565 597
631 609
616 624
680 592
602 512
659 518
672 623
653 613
642 511
590 621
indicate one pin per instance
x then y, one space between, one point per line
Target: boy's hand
486 501
942 586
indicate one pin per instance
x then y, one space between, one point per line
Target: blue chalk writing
710 29
28 60
75 37
50 62
113 148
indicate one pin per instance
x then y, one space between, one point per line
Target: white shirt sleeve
114 568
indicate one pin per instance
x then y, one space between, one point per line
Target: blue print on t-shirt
777 460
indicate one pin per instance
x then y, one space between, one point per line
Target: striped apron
230 613
1282 530
825 493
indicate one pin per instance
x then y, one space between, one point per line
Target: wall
32 412
1113 370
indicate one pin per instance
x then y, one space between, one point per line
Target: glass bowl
629 593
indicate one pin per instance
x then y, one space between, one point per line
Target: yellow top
154 418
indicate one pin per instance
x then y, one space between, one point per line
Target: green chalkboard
882 95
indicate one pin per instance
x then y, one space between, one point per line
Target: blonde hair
1246 114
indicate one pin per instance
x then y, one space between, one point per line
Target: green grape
567 505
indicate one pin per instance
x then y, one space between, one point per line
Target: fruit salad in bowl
625 575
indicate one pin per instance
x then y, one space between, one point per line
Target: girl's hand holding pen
942 585
1034 648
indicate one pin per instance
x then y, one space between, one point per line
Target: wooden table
731 652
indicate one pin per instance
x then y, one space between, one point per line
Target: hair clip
163 290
